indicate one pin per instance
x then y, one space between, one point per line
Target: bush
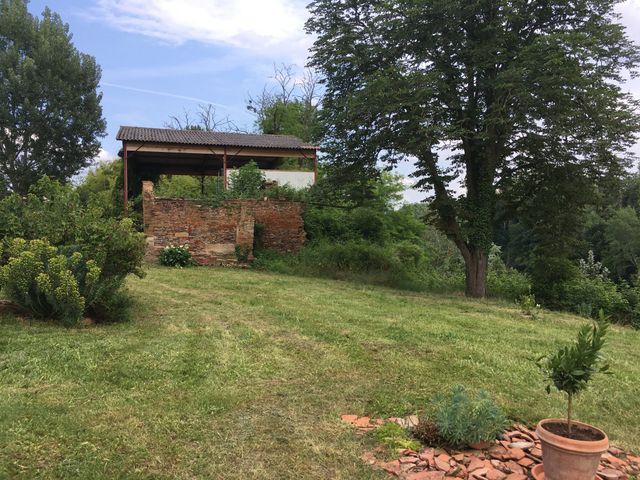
89 240
176 256
50 284
246 182
509 284
588 296
394 436
549 276
427 432
528 305
463 419
115 307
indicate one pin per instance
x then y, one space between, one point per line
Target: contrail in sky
171 95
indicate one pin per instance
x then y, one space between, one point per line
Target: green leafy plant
176 256
572 367
243 252
49 283
464 418
394 436
246 182
528 305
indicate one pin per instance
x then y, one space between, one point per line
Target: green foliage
291 107
528 305
572 367
590 295
242 253
51 284
590 268
505 282
50 114
246 182
393 436
293 117
508 85
101 188
78 232
55 212
463 418
115 307
176 256
622 234
549 275
186 186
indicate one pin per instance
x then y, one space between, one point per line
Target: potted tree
571 450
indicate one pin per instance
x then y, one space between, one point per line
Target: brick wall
213 232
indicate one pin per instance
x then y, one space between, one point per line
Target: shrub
410 254
50 284
509 284
176 256
463 419
571 368
592 269
505 282
369 225
54 211
326 223
394 436
549 276
243 252
528 305
115 307
427 432
246 182
588 296
79 233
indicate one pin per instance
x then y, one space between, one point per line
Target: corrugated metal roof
213 139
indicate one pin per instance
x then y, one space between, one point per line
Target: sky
163 57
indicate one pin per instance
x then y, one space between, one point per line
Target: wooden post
124 178
315 167
224 168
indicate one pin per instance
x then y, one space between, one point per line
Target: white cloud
261 26
103 157
630 12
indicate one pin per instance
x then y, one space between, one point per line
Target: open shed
216 234
156 151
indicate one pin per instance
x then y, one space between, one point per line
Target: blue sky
162 57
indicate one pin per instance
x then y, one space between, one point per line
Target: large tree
479 93
50 113
289 108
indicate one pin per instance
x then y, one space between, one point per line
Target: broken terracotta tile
426 476
349 418
495 474
442 462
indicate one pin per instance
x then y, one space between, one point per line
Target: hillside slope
239 374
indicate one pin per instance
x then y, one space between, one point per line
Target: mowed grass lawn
238 374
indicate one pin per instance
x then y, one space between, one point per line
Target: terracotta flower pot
568 459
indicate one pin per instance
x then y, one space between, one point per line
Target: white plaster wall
297 180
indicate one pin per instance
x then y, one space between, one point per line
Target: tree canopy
483 93
50 110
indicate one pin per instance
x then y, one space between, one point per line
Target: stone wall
213 232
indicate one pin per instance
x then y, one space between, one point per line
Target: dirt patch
578 432
7 306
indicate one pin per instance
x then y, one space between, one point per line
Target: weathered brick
213 232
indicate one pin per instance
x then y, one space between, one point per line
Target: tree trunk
476 262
